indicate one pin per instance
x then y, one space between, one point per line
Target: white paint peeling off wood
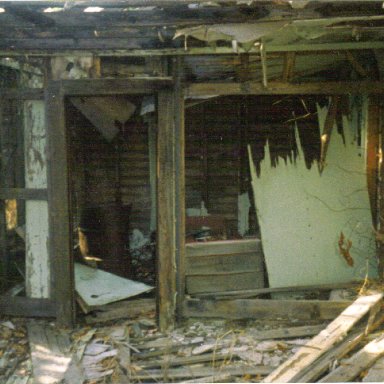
301 214
37 261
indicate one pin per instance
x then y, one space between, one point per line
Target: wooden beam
327 47
23 193
105 87
311 373
360 361
179 182
324 341
263 291
279 88
22 93
263 309
60 245
166 211
26 307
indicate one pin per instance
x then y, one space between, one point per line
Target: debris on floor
143 256
132 349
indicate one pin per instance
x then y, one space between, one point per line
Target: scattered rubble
133 350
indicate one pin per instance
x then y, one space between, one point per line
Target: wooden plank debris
243 294
123 309
50 352
376 372
97 287
263 309
180 373
171 361
324 341
288 333
350 369
220 378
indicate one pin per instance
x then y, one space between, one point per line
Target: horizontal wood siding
220 266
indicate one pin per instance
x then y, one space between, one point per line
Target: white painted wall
37 261
301 214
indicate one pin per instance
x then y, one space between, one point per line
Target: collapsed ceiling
161 25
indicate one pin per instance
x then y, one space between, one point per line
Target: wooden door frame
170 187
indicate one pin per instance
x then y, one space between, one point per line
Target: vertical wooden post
59 206
179 183
36 220
166 221
170 205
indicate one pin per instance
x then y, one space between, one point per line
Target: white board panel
302 213
97 287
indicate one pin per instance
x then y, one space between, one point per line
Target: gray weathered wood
224 281
288 333
376 372
360 361
325 340
262 291
277 88
190 372
311 373
264 309
179 107
50 353
123 309
171 361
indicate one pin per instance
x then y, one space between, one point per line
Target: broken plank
322 364
171 361
376 372
324 341
122 309
49 352
288 333
263 309
360 361
195 372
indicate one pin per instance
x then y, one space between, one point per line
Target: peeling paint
36 220
302 213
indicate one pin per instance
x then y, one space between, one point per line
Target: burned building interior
191 191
